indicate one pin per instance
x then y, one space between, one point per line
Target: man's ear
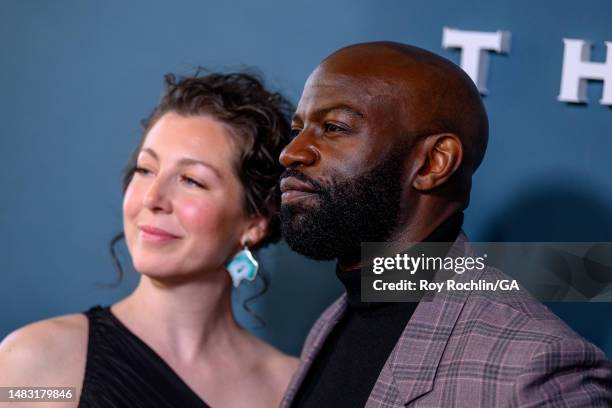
256 230
443 156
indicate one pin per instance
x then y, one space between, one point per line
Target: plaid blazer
478 349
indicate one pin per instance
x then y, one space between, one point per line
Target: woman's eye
330 127
142 171
191 182
295 132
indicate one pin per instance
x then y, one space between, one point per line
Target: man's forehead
340 88
369 81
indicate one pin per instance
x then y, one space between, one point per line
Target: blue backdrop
77 76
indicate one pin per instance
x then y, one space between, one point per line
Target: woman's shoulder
278 365
283 364
49 352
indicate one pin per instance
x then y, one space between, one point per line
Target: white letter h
577 69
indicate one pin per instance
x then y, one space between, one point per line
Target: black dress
123 371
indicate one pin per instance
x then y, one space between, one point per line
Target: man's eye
191 182
295 132
330 127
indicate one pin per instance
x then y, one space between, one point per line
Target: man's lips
294 189
293 184
154 234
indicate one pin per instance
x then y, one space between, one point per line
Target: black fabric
123 371
349 363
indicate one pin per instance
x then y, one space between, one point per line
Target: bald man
386 140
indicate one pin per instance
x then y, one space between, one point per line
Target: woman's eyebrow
186 161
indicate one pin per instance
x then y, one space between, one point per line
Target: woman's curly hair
258 121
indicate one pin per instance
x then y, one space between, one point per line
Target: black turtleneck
349 363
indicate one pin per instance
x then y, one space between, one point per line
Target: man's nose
156 197
300 152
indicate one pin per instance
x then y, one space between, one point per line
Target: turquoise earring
242 266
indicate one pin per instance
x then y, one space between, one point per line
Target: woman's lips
153 234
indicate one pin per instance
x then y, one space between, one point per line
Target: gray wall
77 76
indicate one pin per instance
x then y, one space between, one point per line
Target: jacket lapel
411 367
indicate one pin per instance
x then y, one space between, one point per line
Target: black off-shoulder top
123 371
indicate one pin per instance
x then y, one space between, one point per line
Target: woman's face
183 210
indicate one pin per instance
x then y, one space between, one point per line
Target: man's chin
312 250
294 223
298 209
301 237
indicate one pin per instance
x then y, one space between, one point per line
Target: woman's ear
256 230
444 155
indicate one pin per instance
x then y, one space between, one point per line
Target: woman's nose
156 197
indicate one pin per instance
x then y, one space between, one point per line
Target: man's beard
345 214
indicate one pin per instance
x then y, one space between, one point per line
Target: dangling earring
242 266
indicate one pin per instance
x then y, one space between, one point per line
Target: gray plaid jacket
479 349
